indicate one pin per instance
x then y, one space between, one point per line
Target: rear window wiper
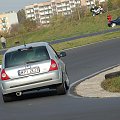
32 61
24 49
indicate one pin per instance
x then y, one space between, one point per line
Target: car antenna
24 43
23 40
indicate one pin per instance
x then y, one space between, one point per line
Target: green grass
112 85
66 29
1 58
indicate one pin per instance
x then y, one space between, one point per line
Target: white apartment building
41 12
7 19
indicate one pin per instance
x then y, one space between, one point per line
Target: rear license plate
29 71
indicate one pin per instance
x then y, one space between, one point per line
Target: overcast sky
16 5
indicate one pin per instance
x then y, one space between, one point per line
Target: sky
16 5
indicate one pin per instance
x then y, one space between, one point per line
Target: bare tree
21 16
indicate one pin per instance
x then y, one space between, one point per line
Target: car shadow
35 94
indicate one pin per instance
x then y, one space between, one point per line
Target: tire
66 79
61 89
113 25
109 25
67 83
7 98
93 14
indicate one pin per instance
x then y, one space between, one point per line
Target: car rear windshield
24 56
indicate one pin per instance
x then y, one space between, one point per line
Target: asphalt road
80 63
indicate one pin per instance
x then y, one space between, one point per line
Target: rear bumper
31 82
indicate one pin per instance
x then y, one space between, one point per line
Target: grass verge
112 85
1 58
85 41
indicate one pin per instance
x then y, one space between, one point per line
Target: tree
76 13
21 16
14 29
29 24
84 11
115 4
109 5
57 20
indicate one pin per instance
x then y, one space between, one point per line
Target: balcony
30 15
27 11
65 4
89 3
31 10
41 8
59 10
36 8
71 1
67 13
42 13
47 13
42 18
59 5
47 7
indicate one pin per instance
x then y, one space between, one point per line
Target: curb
72 91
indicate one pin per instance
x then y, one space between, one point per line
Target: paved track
86 35
80 62
77 37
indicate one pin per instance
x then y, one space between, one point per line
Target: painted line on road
90 44
72 92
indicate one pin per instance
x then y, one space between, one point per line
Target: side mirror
62 54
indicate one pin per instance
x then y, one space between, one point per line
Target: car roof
36 44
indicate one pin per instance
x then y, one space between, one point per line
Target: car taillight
53 65
4 76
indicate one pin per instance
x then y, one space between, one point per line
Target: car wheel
93 14
66 79
67 83
109 25
7 98
61 89
113 25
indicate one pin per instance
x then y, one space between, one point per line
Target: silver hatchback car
32 66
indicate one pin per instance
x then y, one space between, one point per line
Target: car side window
56 54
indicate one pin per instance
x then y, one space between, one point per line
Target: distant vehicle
30 67
96 10
115 22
